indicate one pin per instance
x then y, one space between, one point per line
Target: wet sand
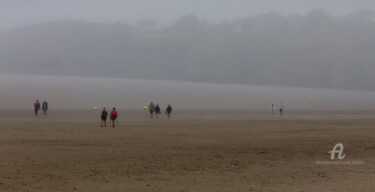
193 151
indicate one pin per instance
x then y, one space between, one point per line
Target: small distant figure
281 108
113 116
157 111
272 109
104 116
36 107
151 108
44 107
169 111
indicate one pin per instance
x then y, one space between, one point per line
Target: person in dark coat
36 107
169 111
104 116
157 111
44 107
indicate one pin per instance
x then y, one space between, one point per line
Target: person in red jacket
113 116
36 107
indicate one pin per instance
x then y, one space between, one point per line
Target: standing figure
272 109
104 116
157 111
44 107
169 111
36 107
113 116
151 108
281 108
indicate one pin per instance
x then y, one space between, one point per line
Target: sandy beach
193 151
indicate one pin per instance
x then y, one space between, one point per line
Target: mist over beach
20 91
187 95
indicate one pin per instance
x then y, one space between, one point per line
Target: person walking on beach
36 107
113 116
281 108
272 109
104 116
169 111
157 111
151 108
44 107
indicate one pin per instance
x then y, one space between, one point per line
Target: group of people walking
104 116
37 107
152 108
156 108
113 115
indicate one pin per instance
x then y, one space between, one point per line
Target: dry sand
194 151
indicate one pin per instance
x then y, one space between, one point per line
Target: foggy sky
17 13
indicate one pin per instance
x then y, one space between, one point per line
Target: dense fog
315 50
20 92
192 54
